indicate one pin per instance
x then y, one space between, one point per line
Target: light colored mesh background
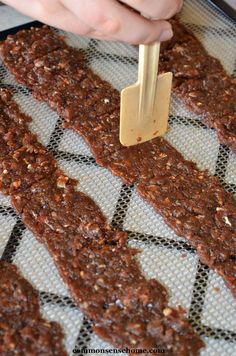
163 255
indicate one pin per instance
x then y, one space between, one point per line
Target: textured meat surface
201 82
95 262
199 79
23 331
193 203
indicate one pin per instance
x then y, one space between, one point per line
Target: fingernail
166 35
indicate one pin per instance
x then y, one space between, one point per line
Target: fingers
110 19
105 19
52 13
158 9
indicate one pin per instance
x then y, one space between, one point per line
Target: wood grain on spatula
145 105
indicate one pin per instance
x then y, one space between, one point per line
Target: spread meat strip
23 331
192 203
201 82
95 262
199 79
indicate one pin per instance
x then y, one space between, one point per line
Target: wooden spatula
145 105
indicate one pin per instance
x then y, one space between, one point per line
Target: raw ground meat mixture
199 79
94 260
201 82
23 331
192 202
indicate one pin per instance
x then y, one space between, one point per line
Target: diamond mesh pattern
210 306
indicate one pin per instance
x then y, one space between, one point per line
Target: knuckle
106 25
112 26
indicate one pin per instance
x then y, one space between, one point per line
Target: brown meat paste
193 203
23 331
199 79
102 273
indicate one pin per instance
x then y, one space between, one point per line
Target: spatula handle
147 77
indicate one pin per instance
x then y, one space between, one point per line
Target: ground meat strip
193 203
102 273
25 45
201 82
23 331
199 79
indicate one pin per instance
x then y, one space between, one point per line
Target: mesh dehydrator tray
227 6
165 256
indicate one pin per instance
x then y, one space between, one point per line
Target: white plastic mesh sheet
165 256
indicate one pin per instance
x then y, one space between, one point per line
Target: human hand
106 19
